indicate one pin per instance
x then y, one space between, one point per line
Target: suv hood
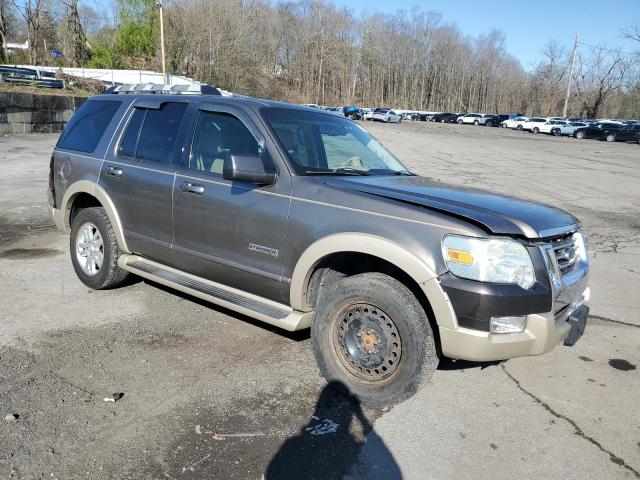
497 214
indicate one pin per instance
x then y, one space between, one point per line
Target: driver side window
216 135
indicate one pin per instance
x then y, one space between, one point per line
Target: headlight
496 260
581 247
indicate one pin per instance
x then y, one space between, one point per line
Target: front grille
564 249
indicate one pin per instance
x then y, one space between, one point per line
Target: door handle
114 171
194 188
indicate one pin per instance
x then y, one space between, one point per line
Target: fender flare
379 247
95 190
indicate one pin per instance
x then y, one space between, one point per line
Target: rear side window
159 131
151 133
86 127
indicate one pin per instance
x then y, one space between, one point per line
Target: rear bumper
543 332
58 217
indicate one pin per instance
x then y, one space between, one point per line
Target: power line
609 49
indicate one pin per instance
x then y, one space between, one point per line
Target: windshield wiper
337 171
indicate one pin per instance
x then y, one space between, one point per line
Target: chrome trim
553 232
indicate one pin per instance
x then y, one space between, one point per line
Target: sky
527 26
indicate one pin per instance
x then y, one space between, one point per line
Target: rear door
230 232
138 175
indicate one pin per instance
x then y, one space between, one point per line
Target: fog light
508 324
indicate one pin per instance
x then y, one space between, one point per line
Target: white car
475 118
367 113
386 115
551 125
513 122
534 124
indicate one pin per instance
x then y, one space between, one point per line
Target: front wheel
555 132
503 125
519 127
476 123
579 135
372 334
95 250
536 130
610 137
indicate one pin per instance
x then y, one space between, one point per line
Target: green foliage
104 56
137 32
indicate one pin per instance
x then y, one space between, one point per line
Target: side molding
423 275
92 188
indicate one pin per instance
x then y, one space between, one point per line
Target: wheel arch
408 264
80 191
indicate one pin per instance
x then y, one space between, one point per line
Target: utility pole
573 60
164 73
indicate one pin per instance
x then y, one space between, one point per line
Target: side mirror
247 168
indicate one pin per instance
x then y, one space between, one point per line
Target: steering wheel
353 162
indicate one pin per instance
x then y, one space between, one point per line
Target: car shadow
447 364
329 446
297 336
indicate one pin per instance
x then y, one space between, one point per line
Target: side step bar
254 306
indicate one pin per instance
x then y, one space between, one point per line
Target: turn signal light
460 256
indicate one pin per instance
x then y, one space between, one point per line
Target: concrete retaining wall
30 113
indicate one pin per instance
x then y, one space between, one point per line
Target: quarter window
86 127
218 134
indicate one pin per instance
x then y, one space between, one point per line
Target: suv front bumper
541 335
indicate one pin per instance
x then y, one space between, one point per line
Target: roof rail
159 88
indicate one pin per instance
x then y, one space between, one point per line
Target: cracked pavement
192 373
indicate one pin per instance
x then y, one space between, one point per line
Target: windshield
322 144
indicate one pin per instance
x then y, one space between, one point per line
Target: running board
254 306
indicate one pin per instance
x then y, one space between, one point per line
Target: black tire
610 137
579 134
109 275
555 132
476 123
488 123
503 125
400 326
459 122
535 130
519 127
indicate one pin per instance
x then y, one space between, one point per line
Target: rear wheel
476 123
535 130
555 132
488 123
95 250
610 137
579 134
519 127
504 125
371 333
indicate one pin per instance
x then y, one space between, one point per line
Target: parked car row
608 130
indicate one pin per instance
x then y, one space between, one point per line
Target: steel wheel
367 342
89 249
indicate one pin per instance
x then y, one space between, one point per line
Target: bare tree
80 50
31 12
4 52
600 73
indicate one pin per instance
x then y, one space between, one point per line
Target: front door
138 175
229 232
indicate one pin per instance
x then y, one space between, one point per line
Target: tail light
52 187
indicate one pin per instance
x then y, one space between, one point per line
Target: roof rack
158 88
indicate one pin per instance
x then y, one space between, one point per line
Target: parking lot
211 394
